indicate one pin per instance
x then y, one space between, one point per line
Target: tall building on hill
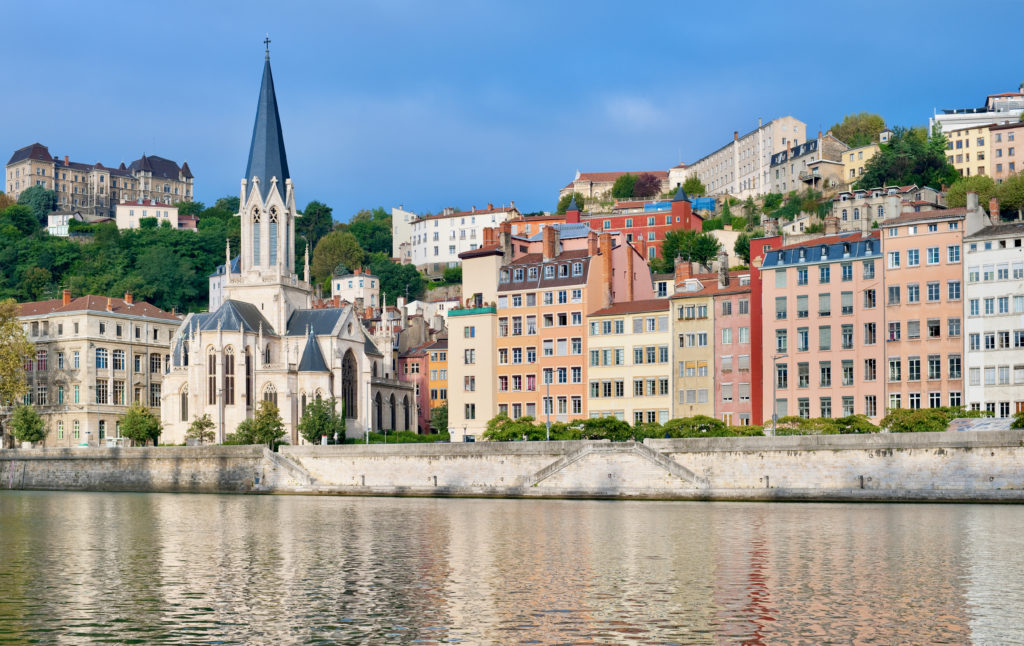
1006 107
94 357
95 189
433 242
599 185
264 341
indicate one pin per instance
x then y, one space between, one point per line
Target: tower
267 211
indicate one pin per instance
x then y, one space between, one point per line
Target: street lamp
775 382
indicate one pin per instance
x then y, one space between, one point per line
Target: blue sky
465 103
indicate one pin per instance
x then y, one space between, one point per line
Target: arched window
391 408
183 399
211 371
255 237
184 353
349 379
270 394
266 353
405 411
303 410
229 377
273 235
248 378
378 413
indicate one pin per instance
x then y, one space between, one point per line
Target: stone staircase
635 448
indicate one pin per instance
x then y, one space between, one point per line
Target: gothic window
211 371
248 378
184 403
270 394
405 411
229 377
273 236
391 406
349 378
256 236
266 354
379 413
303 409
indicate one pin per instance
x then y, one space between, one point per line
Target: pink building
822 328
1006 150
732 348
413 367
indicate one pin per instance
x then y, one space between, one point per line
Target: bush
926 420
140 425
27 425
265 428
201 430
400 437
696 426
321 418
1018 419
623 186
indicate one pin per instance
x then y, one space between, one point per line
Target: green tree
41 200
315 223
265 427
859 129
983 185
227 203
373 230
742 245
696 426
1011 195
201 429
687 245
623 186
910 157
751 213
1018 417
334 249
321 418
140 425
189 208
27 425
694 187
15 351
605 428
453 275
396 279
925 420
563 202
21 217
439 418
502 428
772 201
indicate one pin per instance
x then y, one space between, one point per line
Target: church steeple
267 158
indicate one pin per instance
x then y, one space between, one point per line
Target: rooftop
634 307
97 304
708 285
473 212
1004 229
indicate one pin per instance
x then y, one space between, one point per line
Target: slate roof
35 151
318 321
999 230
312 358
159 166
634 307
236 264
568 231
370 348
680 195
860 246
267 157
232 315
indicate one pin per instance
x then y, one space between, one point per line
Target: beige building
630 362
741 168
1005 152
967 149
95 189
599 185
856 159
860 209
795 169
94 356
128 214
362 290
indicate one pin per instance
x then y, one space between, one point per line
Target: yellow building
967 150
694 328
855 160
629 362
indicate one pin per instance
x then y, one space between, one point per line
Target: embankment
963 467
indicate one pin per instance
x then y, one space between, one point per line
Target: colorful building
413 367
629 364
1005 156
967 150
437 356
694 328
731 315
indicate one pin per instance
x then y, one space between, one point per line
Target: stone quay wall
955 467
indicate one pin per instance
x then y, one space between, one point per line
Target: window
825 337
953 327
825 373
932 255
469 331
894 258
469 356
933 292
801 276
895 370
470 411
824 274
953 253
101 358
870 370
780 307
913 293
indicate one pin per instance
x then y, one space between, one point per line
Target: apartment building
741 168
401 233
644 223
993 314
359 288
1006 157
694 329
862 209
818 321
731 314
967 150
437 357
413 367
924 305
94 356
1005 107
437 240
856 159
629 367
95 189
129 214
797 167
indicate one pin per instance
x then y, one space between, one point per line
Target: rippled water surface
185 569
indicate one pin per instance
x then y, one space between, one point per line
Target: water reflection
181 569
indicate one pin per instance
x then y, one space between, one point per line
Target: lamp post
775 382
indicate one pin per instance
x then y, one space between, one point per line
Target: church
264 341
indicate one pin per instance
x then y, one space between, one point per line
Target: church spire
267 158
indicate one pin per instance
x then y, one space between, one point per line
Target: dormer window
503 276
518 275
563 271
549 271
824 251
532 273
577 269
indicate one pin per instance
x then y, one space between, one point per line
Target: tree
859 129
646 185
321 418
229 203
265 427
1011 194
15 351
751 213
334 249
983 185
27 425
439 418
373 230
1018 417
396 279
453 275
696 426
694 187
910 157
21 217
563 203
189 208
605 428
201 429
742 246
688 245
623 186
35 282
925 420
41 200
140 425
315 223
772 201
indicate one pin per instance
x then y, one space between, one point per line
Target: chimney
357 271
66 161
605 246
505 241
723 269
66 297
592 243
993 209
110 306
683 271
629 272
551 241
490 207
831 225
128 298
819 134
972 201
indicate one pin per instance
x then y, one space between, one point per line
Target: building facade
644 223
95 189
94 357
856 159
993 318
437 240
1006 157
437 356
731 315
413 368
790 169
128 214
967 150
694 330
1006 107
360 289
861 209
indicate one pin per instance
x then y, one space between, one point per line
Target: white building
57 224
429 309
994 318
128 214
1006 107
437 240
401 233
357 288
741 167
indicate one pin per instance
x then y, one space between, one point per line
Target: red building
413 367
758 248
644 223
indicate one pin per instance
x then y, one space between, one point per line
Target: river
186 569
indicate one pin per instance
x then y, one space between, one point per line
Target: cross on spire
266 43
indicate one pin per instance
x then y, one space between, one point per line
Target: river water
187 569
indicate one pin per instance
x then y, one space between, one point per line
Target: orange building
437 364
